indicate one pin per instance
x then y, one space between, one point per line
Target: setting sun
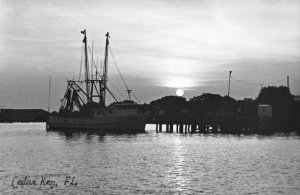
179 92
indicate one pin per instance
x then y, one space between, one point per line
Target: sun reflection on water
177 172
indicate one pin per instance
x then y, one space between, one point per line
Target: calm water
147 163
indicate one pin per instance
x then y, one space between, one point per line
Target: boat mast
86 66
104 77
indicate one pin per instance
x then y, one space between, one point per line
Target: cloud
168 44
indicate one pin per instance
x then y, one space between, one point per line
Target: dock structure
236 125
179 127
209 125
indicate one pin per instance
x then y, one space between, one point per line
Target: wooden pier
209 125
232 125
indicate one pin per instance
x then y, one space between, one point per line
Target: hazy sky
160 46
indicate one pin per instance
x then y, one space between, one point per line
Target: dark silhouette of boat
84 104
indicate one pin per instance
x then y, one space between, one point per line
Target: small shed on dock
264 110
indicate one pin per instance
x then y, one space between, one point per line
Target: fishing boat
84 104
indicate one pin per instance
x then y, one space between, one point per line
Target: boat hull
118 124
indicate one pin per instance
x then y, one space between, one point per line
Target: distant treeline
285 106
209 105
23 115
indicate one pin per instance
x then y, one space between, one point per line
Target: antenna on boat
129 91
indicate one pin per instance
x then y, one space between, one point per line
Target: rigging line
136 98
109 82
118 68
93 62
81 61
101 67
113 95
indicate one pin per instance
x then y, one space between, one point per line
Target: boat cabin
118 108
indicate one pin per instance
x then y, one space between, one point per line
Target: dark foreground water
147 163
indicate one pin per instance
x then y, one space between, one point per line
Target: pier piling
160 127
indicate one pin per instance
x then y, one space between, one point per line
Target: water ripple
148 163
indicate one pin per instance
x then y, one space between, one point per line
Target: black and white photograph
150 97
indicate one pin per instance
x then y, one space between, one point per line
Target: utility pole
49 98
229 83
